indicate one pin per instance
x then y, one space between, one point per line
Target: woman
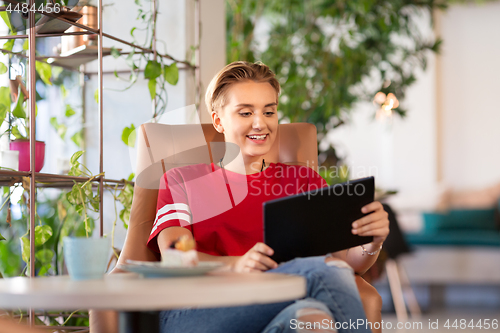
220 206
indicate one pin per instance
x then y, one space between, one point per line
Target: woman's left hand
375 224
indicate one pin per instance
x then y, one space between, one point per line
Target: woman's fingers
264 260
375 224
255 265
256 259
375 216
263 248
370 226
371 207
382 231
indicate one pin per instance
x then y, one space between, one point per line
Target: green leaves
130 60
75 168
152 88
42 234
76 156
152 70
8 44
82 196
64 92
322 71
45 71
25 249
72 197
5 102
129 135
5 98
61 129
18 111
96 96
3 113
171 73
6 18
115 53
17 134
3 68
2 237
44 256
77 138
125 197
69 111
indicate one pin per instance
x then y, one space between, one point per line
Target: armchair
157 151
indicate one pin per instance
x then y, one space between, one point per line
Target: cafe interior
100 99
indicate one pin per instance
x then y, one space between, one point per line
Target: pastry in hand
184 243
181 253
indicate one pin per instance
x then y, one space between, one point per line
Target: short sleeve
172 209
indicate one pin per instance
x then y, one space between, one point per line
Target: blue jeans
330 288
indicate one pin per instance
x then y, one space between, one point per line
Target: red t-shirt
223 209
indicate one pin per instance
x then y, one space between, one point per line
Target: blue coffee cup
86 258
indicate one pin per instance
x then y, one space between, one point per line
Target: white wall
470 75
213 46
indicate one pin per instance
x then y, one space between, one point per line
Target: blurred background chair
395 245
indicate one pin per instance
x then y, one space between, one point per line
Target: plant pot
86 258
23 146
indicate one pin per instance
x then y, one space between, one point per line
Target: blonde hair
238 71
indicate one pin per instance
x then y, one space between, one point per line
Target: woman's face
249 118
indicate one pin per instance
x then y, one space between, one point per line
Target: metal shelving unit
39 180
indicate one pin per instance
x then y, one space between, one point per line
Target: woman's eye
245 114
269 113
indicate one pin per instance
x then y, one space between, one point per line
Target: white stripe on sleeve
172 216
169 207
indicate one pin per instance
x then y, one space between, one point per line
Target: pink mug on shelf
23 146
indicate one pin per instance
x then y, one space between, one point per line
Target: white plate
154 269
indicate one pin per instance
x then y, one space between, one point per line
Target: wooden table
128 293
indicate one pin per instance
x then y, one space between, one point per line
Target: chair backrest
161 147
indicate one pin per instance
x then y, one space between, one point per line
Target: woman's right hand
255 260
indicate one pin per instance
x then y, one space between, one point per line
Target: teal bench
459 227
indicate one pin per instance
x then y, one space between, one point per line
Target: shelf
74 33
91 31
51 180
63 16
78 56
56 26
50 25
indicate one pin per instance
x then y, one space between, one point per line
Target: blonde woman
226 220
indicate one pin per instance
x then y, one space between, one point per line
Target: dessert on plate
181 253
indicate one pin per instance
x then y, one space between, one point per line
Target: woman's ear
216 121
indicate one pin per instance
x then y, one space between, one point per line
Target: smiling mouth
260 137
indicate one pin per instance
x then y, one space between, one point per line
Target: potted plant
18 124
85 257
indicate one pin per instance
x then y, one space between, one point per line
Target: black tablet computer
317 222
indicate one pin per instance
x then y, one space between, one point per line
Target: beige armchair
161 147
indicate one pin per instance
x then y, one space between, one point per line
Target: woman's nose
259 122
